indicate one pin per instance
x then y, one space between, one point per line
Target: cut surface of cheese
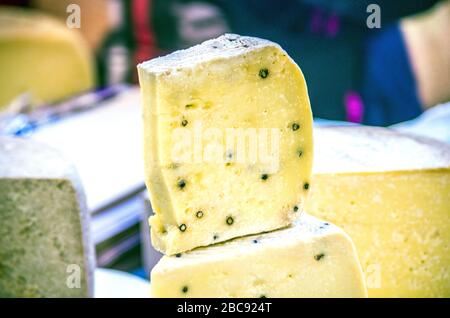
312 258
42 57
391 193
227 141
45 249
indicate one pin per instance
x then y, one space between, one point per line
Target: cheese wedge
45 249
227 141
310 259
391 193
42 57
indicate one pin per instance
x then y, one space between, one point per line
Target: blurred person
353 72
124 33
408 67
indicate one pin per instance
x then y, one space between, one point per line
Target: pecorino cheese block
44 241
227 141
42 57
309 259
391 193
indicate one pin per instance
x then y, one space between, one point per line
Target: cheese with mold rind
45 249
232 85
391 193
310 259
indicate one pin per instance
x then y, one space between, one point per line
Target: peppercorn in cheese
227 141
312 258
391 193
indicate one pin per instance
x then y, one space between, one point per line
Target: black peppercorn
264 176
299 153
318 257
182 227
306 186
263 73
255 241
178 255
295 126
199 214
295 208
230 220
185 289
181 183
184 123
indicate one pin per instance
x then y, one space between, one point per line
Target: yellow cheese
391 193
228 141
310 259
41 56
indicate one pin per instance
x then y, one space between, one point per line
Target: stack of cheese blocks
231 227
236 226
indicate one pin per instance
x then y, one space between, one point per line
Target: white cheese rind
375 149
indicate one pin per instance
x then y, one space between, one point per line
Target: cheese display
44 239
313 258
391 193
227 141
40 56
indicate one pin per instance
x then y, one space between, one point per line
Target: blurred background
68 78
